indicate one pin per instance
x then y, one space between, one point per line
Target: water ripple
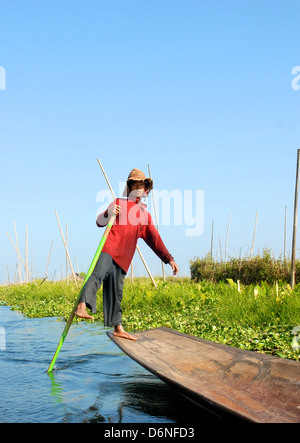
92 382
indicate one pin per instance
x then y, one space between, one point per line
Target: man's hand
114 210
174 267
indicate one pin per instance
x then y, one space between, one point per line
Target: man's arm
103 218
153 239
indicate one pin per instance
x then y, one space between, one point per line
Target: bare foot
119 332
82 313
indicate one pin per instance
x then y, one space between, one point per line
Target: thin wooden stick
67 255
137 248
254 235
284 241
91 269
106 178
153 199
295 222
8 275
226 246
46 273
221 256
76 265
19 268
33 265
21 258
26 253
212 240
66 247
131 269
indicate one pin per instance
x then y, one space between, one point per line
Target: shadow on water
144 399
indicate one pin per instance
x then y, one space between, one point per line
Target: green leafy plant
259 317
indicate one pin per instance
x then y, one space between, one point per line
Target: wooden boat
244 384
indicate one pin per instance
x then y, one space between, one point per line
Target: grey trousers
108 272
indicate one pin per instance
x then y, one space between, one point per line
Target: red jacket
133 222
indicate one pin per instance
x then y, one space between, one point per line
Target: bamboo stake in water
137 248
254 235
46 274
295 223
221 256
153 199
17 246
212 240
26 253
21 258
76 265
67 270
8 275
66 247
91 269
226 246
284 241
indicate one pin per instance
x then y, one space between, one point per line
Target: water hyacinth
296 339
259 317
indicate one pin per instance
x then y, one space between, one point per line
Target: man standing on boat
132 222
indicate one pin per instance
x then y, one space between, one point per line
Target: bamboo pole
76 265
137 248
254 235
66 247
212 240
284 240
226 246
91 269
295 223
21 258
67 270
156 221
8 275
26 253
106 178
49 255
33 268
17 246
221 256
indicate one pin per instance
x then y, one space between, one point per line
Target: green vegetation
258 317
247 271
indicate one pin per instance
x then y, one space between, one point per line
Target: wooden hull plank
252 386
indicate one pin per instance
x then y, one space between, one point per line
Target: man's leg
92 286
112 298
119 332
82 312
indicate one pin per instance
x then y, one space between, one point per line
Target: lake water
93 381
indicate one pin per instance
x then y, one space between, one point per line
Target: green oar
91 269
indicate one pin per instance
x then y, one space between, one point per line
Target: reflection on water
93 381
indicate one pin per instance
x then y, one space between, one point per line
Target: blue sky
200 90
